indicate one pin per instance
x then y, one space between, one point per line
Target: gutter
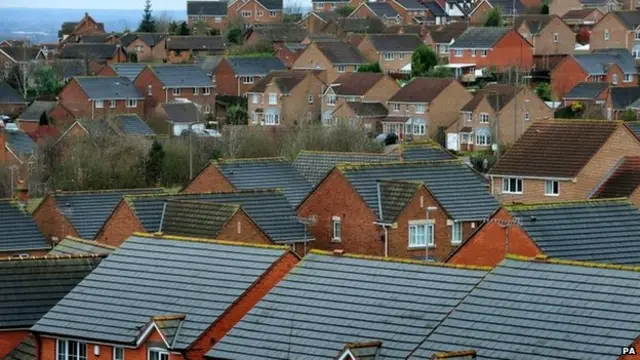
386 235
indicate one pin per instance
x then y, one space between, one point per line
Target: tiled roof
412 4
577 14
535 23
340 53
623 180
21 53
280 32
269 209
391 42
29 287
76 246
266 173
207 8
108 88
182 112
543 310
272 4
448 32
382 9
284 80
94 38
253 65
421 89
131 125
20 143
393 197
631 19
209 63
150 277
461 191
480 37
88 210
26 350
36 109
327 301
623 97
634 126
586 90
181 76
128 70
509 7
315 165
18 230
370 25
497 95
597 62
195 218
88 51
555 148
425 151
188 42
97 128
368 109
9 95
355 83
435 8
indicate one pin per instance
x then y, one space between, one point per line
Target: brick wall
210 179
6 65
512 50
242 229
312 58
213 22
120 225
544 43
226 82
479 15
257 14
619 35
445 108
11 339
51 222
567 75
382 91
561 7
329 5
148 53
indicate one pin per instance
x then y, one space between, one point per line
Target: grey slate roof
9 95
436 9
508 8
88 210
480 37
266 173
279 32
195 218
363 109
586 90
29 287
182 113
631 19
425 151
382 9
181 76
26 350
393 197
88 51
412 4
462 192
315 165
269 209
35 110
20 143
21 53
132 125
76 246
252 65
398 43
108 88
634 126
327 301
207 8
543 311
97 128
623 97
598 62
148 277
272 4
340 53
188 42
128 70
18 230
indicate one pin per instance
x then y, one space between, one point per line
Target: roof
623 97
364 351
327 301
425 151
20 142
272 4
30 286
543 310
363 109
634 126
36 109
598 62
206 277
68 68
396 43
279 32
21 53
315 165
131 125
509 7
9 95
285 81
393 197
555 148
449 32
18 230
435 8
534 22
88 210
207 8
266 173
195 218
577 14
497 95
188 42
88 51
128 70
412 4
623 180
181 76
461 191
209 63
382 9
269 209
404 28
421 90
586 90
96 128
182 112
355 83
369 25
631 19
76 246
340 53
108 88
480 37
26 350
254 65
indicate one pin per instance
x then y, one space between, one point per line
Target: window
248 79
175 91
319 5
628 78
606 35
527 116
483 53
206 91
444 49
332 5
331 100
388 56
217 19
341 68
512 186
336 226
273 99
149 90
206 108
7 65
637 35
132 103
118 353
355 68
246 13
401 56
419 129
483 139
420 234
138 48
458 53
551 188
112 104
271 119
456 233
255 98
467 116
157 354
484 118
260 13
555 37
99 104
196 91
473 53
310 98
273 13
614 79
419 109
71 350
396 107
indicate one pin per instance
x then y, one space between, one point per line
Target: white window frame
419 108
112 104
99 104
628 78
388 56
555 37
66 355
341 68
245 13
196 91
637 37
273 13
260 13
115 350
331 100
273 99
401 56
456 233
551 188
206 91
484 53
248 79
149 90
255 98
428 228
175 91
483 118
527 116
396 107
473 52
467 116
336 229
458 52
607 36
310 98
444 49
161 353
507 183
614 79
132 103
419 129
483 139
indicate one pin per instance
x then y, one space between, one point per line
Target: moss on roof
589 264
160 235
551 205
357 166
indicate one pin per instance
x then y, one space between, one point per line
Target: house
423 151
212 13
94 97
182 320
16 42
250 174
181 49
18 153
163 83
182 116
30 119
285 98
459 10
382 10
370 88
11 101
423 106
484 48
614 66
148 47
548 34
343 28
392 52
334 57
71 31
274 33
322 6
620 99
94 53
70 246
364 115
12 56
622 181
268 209
48 279
313 21
509 9
364 322
588 94
442 38
79 213
498 113
19 234
252 12
288 52
421 12
235 75
567 303
113 125
582 18
128 70
603 5
561 160
395 209
110 38
617 29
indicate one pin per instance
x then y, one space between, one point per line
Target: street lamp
428 209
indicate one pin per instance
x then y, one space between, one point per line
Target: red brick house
148 47
421 12
548 34
334 57
582 18
11 101
184 49
314 21
254 12
12 56
329 6
392 52
93 53
396 209
381 10
617 30
235 75
211 13
72 31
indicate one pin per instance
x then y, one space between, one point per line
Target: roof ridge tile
89 242
356 166
542 205
588 264
53 257
161 236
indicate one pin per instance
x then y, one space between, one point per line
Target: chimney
22 192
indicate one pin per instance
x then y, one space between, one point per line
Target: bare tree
163 20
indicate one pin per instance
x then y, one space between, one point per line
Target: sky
84 4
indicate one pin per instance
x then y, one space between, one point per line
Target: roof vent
532 218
